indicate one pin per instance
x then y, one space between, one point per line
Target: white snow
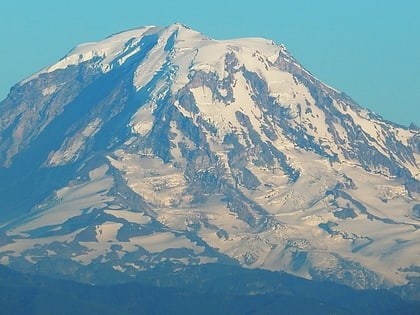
142 121
130 216
70 202
154 61
107 231
17 248
157 183
106 236
159 242
106 50
49 90
260 46
70 149
385 240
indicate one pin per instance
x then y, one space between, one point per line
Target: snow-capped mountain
160 145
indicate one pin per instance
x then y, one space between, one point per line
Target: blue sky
369 49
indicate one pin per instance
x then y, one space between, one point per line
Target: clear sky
369 49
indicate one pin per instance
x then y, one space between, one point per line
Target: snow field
107 50
161 241
69 151
300 216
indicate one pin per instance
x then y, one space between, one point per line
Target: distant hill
200 290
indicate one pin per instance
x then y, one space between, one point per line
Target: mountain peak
159 145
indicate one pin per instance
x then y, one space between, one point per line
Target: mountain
161 147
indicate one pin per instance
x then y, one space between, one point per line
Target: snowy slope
167 146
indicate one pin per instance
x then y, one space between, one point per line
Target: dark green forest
198 290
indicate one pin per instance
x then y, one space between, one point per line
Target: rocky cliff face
163 146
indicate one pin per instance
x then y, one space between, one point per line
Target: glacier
160 145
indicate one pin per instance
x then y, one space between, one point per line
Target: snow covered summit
161 146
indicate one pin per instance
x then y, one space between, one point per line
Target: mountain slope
160 145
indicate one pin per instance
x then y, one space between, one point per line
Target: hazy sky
369 49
